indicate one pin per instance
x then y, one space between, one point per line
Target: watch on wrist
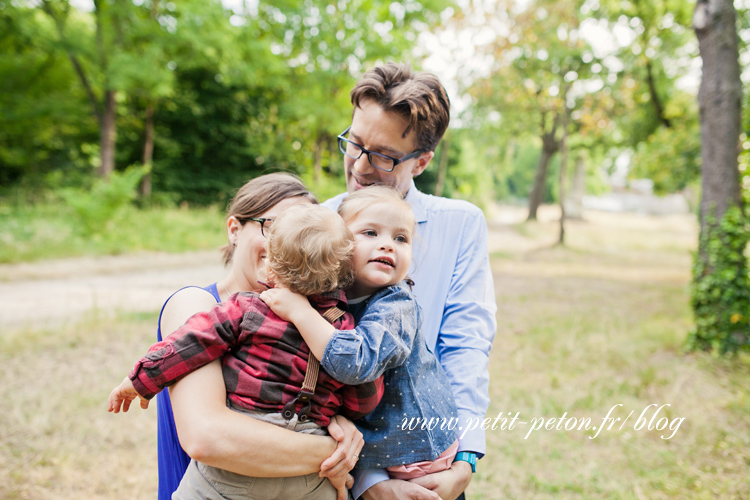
467 456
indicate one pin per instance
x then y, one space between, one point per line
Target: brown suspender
311 377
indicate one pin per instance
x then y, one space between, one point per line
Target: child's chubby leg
122 396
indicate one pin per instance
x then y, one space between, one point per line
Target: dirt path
40 294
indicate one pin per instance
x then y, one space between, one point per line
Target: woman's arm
215 435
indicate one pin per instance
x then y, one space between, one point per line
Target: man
398 120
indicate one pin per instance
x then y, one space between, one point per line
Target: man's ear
421 164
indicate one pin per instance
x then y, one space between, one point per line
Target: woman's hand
286 303
350 443
342 483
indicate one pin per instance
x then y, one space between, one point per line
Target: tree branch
658 107
60 25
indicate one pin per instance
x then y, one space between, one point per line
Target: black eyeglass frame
396 161
261 220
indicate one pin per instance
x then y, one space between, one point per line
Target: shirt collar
414 199
335 298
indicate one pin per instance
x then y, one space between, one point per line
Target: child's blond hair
363 198
310 250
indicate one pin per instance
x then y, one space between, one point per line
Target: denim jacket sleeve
382 339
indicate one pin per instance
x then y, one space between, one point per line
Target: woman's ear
233 229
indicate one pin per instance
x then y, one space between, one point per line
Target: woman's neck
231 285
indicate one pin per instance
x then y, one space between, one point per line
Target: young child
387 341
265 360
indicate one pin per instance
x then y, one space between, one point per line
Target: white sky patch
83 5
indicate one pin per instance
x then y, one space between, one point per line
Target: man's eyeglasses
377 160
263 222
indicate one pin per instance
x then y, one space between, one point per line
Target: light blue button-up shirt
453 285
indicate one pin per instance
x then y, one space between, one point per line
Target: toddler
387 341
268 370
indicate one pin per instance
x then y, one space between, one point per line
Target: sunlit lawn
583 328
599 323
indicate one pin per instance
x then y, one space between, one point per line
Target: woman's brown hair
261 194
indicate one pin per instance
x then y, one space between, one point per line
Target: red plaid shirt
264 359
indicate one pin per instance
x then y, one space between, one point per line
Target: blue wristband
467 456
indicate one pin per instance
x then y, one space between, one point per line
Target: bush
96 207
720 293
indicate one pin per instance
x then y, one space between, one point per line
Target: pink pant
419 469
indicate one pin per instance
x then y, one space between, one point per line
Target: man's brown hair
417 96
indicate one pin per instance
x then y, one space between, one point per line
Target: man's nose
362 165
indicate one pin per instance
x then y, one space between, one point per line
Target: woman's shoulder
183 304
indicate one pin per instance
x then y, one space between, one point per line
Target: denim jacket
388 340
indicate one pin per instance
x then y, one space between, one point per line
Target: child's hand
284 302
123 395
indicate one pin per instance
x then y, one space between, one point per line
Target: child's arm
206 336
382 339
295 308
123 395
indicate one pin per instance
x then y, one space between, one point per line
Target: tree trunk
550 146
442 167
108 134
148 151
563 176
719 100
318 159
540 182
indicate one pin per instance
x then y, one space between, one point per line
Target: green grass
600 323
51 231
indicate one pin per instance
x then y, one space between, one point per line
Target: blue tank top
173 461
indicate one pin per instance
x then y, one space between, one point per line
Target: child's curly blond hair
310 250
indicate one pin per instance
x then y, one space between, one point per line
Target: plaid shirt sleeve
205 337
359 400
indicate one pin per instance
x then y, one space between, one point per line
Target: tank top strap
210 289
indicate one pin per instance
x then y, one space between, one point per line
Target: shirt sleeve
365 479
206 336
468 330
382 339
359 400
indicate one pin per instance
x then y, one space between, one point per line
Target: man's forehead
369 120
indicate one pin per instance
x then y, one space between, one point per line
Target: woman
195 407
